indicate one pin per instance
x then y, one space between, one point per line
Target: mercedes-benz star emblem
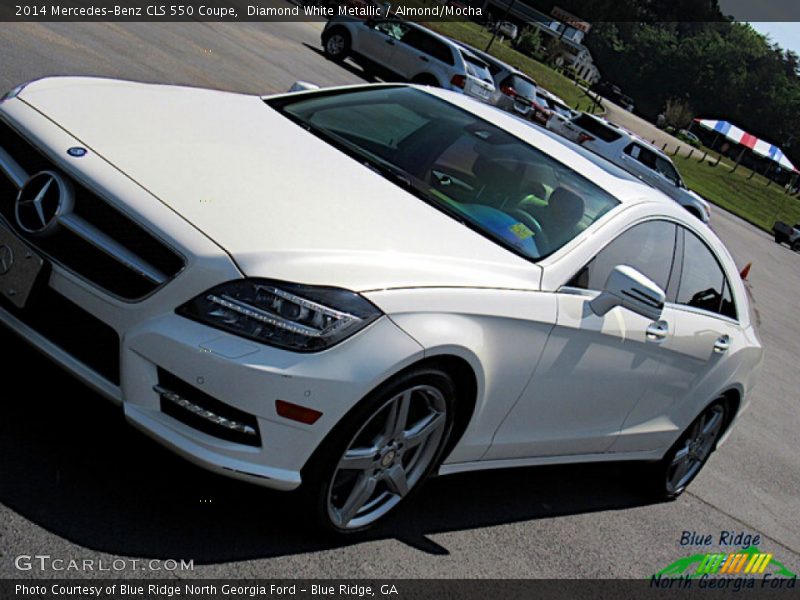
44 198
6 259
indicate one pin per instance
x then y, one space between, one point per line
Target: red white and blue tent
738 136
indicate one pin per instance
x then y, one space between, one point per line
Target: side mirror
628 288
303 86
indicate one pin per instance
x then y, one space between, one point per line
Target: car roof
479 59
489 59
630 135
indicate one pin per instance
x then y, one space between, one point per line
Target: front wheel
337 45
673 474
382 452
796 246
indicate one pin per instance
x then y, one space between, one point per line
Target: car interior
513 192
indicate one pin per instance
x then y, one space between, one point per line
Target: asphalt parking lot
77 483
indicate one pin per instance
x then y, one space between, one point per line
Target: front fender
500 333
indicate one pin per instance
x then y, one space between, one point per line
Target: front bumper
243 375
250 378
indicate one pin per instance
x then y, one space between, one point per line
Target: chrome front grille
93 239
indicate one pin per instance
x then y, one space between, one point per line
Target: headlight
288 315
13 93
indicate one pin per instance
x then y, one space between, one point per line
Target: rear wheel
673 474
382 452
337 45
796 246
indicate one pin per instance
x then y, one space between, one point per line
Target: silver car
515 92
409 52
633 154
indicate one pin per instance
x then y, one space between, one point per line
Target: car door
705 330
594 370
378 41
642 162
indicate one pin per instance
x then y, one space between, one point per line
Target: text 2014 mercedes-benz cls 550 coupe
346 290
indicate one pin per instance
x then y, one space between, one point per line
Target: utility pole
494 33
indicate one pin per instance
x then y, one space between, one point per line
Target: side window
703 283
392 29
429 45
648 247
642 154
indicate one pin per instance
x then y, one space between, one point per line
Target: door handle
722 344
390 41
423 58
657 331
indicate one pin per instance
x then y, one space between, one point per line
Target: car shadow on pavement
71 465
358 71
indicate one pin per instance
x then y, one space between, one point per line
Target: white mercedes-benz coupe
347 290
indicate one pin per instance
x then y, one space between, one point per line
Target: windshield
477 68
542 101
479 174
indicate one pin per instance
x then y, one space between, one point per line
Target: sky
785 33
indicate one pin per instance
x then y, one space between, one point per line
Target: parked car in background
514 92
560 111
787 234
687 136
614 93
507 29
542 110
409 52
635 155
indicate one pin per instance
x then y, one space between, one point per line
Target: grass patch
750 199
553 81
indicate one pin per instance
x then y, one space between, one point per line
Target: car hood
280 201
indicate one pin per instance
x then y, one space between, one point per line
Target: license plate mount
20 267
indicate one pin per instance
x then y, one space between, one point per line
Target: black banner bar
385 589
592 11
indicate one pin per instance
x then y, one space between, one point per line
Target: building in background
559 27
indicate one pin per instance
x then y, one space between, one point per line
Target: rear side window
477 68
429 45
648 247
642 154
703 283
596 128
524 87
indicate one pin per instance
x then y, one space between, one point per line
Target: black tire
325 490
336 44
662 476
777 239
796 246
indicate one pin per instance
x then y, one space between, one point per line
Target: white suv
633 154
409 51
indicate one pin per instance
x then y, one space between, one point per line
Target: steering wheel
531 223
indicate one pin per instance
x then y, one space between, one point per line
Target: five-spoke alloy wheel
689 454
385 452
